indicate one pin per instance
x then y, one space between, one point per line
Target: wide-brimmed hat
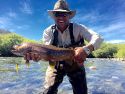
62 6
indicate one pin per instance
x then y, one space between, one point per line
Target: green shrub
121 51
8 40
106 51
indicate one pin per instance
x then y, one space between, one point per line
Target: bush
121 51
8 40
106 51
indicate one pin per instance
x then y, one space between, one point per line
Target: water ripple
104 76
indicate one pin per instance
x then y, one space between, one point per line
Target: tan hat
61 6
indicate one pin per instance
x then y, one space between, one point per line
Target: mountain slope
2 31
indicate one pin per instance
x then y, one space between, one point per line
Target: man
66 34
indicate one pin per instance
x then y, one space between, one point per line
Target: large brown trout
47 52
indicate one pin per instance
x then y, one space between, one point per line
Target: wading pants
54 77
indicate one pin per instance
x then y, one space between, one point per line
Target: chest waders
76 75
63 64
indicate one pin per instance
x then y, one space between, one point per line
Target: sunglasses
61 14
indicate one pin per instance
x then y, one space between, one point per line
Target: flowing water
104 76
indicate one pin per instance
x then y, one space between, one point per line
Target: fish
46 52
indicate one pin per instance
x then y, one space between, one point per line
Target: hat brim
72 13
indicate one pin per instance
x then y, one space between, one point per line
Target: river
104 76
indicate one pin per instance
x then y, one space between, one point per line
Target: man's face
62 19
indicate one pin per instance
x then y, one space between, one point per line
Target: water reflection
103 76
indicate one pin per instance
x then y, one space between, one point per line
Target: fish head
21 49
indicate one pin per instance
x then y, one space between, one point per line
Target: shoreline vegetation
107 50
119 59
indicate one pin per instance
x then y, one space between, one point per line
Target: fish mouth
15 47
16 52
13 51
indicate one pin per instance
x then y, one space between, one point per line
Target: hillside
2 31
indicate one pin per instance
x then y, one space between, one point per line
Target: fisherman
64 33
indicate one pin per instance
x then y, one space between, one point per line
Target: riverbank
114 59
118 59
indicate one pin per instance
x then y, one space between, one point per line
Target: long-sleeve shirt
79 31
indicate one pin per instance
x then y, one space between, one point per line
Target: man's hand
80 54
32 56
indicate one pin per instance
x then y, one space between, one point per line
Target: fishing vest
74 66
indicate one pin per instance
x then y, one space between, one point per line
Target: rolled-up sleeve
47 36
92 37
